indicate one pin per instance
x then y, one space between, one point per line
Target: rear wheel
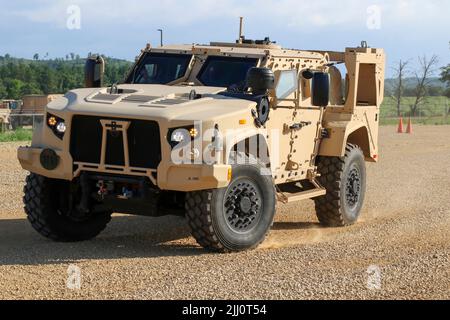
345 182
47 202
235 218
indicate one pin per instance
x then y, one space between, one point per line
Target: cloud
296 13
408 28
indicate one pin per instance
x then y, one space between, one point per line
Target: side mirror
94 70
320 89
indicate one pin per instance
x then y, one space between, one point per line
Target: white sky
407 28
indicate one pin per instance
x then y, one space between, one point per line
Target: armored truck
217 133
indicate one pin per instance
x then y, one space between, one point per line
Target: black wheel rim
353 187
242 205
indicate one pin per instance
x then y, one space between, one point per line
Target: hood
152 101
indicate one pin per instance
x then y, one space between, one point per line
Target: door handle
300 125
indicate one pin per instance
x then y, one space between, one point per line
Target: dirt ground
399 250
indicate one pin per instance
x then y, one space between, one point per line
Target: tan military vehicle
219 133
6 108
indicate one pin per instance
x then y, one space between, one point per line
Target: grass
17 135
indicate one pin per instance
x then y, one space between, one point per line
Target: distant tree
30 88
36 56
48 82
7 56
423 81
445 77
399 87
3 92
19 76
14 88
435 91
447 92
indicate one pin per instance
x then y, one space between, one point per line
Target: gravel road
399 250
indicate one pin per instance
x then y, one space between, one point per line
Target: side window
151 70
287 84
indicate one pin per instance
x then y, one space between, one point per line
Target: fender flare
343 132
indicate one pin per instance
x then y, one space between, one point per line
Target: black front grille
144 142
114 149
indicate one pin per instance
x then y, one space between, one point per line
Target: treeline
437 88
19 77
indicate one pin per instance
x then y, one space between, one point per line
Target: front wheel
345 181
235 218
46 205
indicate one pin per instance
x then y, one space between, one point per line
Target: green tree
20 76
14 88
445 77
30 88
3 92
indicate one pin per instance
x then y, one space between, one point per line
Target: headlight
61 127
57 125
182 135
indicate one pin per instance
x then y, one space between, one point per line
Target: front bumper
29 159
168 176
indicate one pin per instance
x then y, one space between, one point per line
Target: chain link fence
14 122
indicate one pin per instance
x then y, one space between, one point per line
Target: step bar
290 197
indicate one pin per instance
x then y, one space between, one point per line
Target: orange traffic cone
409 130
400 126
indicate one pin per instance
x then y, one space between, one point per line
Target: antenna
241 29
162 36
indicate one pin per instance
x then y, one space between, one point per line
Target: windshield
160 68
225 71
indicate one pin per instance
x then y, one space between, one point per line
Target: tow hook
102 190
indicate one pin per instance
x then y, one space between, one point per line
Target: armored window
287 84
225 71
160 68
